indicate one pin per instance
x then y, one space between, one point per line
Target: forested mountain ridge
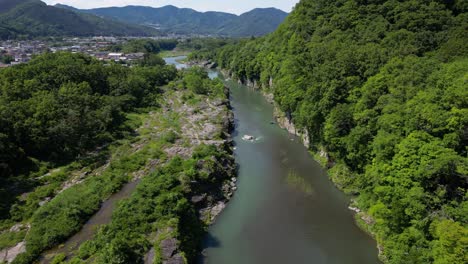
6 5
257 22
171 19
382 87
33 18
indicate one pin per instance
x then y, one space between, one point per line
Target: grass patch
67 212
10 239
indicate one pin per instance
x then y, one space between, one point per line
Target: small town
14 52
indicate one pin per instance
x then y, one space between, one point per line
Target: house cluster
116 56
12 53
16 52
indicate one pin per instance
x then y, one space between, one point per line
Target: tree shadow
209 241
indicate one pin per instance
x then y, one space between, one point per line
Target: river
285 210
101 217
176 61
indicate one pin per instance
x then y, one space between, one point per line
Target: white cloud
233 6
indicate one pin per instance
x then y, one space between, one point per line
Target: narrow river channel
101 217
286 210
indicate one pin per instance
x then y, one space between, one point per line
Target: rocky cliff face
284 119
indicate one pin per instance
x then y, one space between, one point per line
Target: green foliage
64 215
196 80
10 239
152 60
145 46
451 242
170 137
56 109
60 258
61 105
382 86
158 203
5 58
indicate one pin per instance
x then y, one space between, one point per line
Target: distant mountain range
171 19
33 18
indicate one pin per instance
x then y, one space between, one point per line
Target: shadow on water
209 241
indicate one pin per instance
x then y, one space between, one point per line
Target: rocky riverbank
205 121
285 121
208 64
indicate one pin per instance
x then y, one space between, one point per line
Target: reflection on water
176 61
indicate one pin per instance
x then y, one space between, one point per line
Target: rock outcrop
9 254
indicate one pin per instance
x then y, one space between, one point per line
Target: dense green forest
60 106
75 130
145 46
382 87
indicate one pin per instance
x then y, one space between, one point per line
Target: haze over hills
172 19
34 18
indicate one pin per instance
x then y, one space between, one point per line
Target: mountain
378 90
185 21
257 22
33 18
6 5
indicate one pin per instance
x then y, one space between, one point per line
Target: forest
145 46
382 88
62 105
75 130
54 111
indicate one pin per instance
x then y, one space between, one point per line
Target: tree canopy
382 87
58 106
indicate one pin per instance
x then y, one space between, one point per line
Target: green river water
285 210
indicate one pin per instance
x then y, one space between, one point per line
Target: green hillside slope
33 18
257 22
382 87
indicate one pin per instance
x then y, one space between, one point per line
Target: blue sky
231 6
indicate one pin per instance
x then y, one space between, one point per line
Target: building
115 56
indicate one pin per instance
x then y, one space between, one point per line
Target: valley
336 133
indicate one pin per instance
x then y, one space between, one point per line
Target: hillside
184 20
6 5
257 22
379 89
33 18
